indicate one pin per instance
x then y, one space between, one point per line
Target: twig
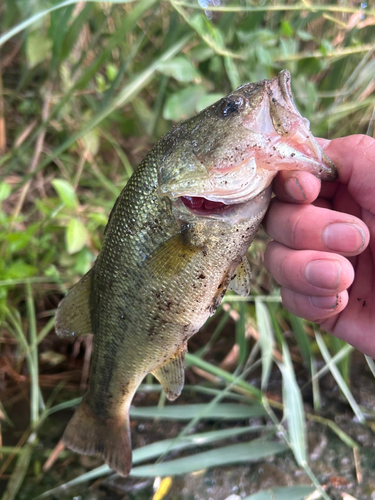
358 466
18 446
55 453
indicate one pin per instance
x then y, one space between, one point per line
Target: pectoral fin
173 255
73 316
171 375
240 282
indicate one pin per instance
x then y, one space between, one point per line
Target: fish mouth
203 206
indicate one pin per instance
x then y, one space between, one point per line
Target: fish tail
110 437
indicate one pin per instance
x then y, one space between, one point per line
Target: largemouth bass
176 239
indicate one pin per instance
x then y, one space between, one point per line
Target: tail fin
110 438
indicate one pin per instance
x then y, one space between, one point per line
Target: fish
175 241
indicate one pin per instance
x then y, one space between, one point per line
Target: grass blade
125 96
339 378
39 15
225 411
293 408
233 454
20 470
154 450
266 340
287 493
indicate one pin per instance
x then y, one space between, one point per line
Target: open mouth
202 206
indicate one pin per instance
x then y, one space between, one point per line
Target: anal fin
241 279
73 315
171 375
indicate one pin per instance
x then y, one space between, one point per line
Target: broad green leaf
5 191
232 72
251 451
111 71
183 104
19 269
286 29
293 409
66 192
206 100
38 49
76 236
286 493
180 69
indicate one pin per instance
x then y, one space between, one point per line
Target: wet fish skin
164 268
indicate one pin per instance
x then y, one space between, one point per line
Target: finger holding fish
308 227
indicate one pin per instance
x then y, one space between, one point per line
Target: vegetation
85 89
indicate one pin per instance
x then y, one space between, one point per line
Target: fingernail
324 302
344 237
323 273
294 189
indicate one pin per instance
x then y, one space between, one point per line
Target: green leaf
19 269
339 378
20 470
266 339
286 29
238 453
5 191
293 409
111 71
38 48
66 192
151 451
39 15
76 236
285 493
180 69
206 100
225 411
241 340
183 103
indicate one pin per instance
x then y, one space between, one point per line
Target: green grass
85 90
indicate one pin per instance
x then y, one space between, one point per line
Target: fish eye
231 106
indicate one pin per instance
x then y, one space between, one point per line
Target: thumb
354 157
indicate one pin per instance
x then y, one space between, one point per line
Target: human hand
322 255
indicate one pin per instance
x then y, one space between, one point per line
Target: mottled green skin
140 318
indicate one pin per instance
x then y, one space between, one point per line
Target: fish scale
168 257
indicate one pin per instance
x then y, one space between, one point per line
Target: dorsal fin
240 282
171 375
73 315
